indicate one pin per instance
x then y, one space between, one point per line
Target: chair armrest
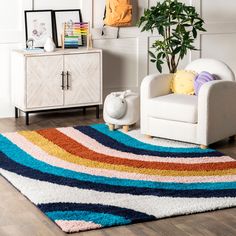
216 111
155 85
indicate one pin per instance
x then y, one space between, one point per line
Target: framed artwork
39 26
68 17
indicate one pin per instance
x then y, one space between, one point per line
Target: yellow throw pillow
183 82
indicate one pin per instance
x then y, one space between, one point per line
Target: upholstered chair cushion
177 107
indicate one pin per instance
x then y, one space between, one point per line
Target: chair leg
111 127
203 146
148 136
125 128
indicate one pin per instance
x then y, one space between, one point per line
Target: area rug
88 177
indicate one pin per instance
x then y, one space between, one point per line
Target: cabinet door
44 81
84 79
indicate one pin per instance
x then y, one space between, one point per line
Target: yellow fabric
183 82
118 13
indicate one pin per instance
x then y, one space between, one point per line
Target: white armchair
203 119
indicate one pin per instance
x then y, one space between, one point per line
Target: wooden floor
19 217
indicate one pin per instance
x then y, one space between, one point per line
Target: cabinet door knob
63 80
67 80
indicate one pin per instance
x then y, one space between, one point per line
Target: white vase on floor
49 46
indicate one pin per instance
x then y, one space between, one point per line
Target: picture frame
39 26
65 16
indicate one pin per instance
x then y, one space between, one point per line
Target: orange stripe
78 149
57 152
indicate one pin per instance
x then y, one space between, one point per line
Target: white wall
11 36
126 60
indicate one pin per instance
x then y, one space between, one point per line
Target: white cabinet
43 82
84 84
59 80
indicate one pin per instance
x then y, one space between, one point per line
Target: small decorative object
67 17
30 47
49 45
178 25
116 106
121 109
30 44
201 79
38 26
74 33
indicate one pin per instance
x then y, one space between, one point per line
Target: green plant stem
178 60
167 56
173 64
170 66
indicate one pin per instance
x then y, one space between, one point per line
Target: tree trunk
173 67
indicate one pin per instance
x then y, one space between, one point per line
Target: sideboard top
58 51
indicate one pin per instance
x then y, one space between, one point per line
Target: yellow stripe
54 150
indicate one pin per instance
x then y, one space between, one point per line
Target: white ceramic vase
49 46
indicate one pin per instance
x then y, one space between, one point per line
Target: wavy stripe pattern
91 178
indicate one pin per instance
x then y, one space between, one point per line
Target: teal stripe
132 142
18 155
103 219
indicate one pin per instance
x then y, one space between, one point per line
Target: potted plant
178 26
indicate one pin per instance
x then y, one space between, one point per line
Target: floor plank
19 217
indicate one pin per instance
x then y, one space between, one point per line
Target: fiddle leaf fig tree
178 25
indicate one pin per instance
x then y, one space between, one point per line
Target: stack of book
71 42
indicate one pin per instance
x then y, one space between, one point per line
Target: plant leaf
158 66
194 31
178 25
152 54
176 50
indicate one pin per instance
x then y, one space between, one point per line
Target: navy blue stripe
129 214
112 143
133 142
12 166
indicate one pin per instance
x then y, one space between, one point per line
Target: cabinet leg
97 111
84 111
27 118
16 113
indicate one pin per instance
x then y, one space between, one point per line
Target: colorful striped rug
88 177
